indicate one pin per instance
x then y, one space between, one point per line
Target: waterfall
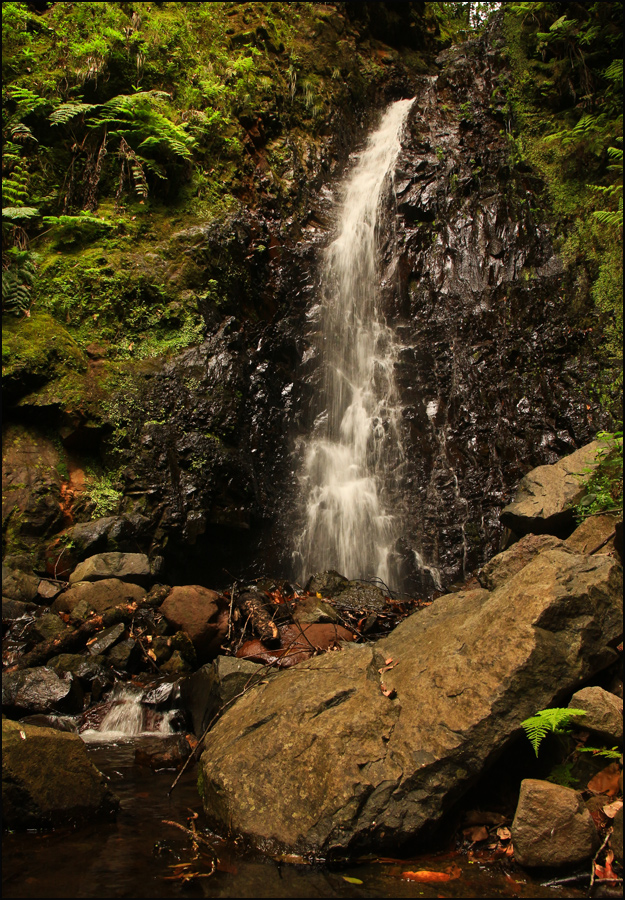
351 461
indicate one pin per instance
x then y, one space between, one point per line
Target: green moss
38 347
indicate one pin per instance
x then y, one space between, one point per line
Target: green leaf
548 720
351 880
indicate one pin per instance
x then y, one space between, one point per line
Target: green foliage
565 109
18 276
103 493
546 721
605 752
604 490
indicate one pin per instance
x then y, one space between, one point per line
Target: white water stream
355 450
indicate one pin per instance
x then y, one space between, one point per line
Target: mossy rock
48 780
36 350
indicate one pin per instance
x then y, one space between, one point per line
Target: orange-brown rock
202 614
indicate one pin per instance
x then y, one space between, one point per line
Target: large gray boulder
48 779
546 496
369 747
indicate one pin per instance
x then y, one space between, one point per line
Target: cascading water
352 460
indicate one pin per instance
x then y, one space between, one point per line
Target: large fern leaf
548 720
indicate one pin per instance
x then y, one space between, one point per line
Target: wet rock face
489 368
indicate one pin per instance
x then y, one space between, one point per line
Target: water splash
128 717
352 460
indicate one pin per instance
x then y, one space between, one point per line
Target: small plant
611 753
546 721
103 494
605 488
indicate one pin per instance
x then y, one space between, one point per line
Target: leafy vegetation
547 721
566 120
605 488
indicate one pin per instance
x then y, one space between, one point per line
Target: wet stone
166 752
18 585
125 656
106 639
41 690
604 713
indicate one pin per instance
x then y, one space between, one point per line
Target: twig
232 593
603 542
596 856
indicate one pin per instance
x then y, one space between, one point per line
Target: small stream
140 854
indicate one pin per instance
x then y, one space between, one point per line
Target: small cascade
128 716
353 458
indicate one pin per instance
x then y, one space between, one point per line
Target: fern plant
548 720
18 276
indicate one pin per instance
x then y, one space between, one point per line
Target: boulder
505 565
592 532
214 685
20 586
202 614
546 496
110 533
48 779
47 627
133 567
92 671
125 656
162 752
604 713
97 596
40 690
310 610
369 747
552 826
328 584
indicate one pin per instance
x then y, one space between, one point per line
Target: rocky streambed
336 724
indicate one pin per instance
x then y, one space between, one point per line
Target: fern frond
548 720
67 111
21 132
13 213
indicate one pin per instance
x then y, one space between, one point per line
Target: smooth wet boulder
48 779
110 533
201 613
604 713
552 826
368 748
85 597
546 496
47 627
40 690
133 567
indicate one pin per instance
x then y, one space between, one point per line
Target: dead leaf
476 833
388 692
152 655
612 808
503 833
387 667
388 661
606 871
606 781
426 876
